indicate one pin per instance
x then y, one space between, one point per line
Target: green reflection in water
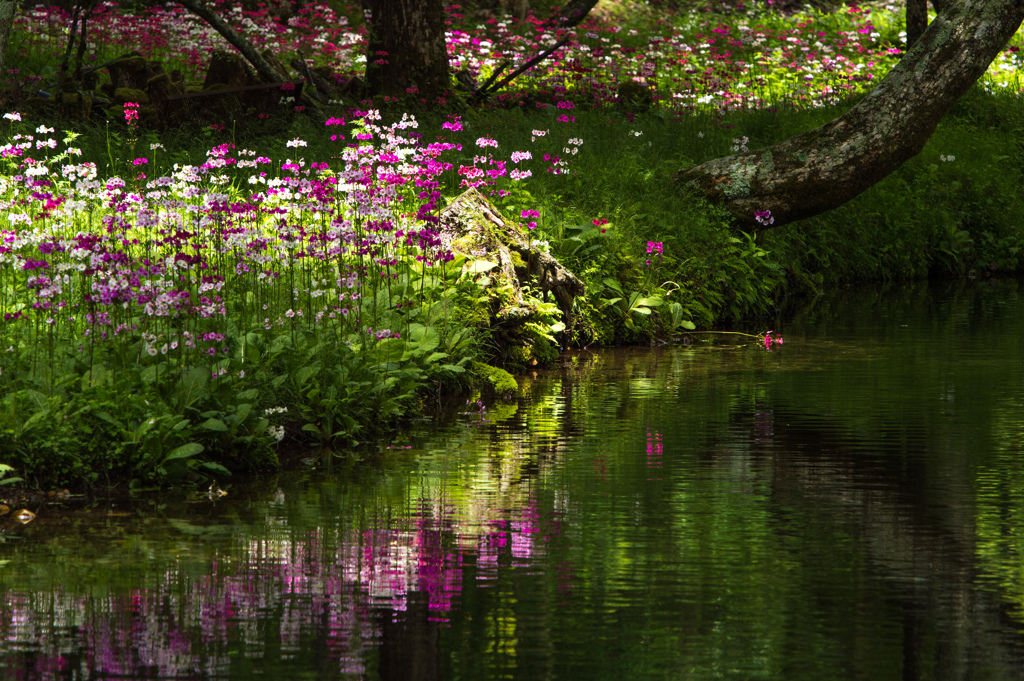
846 506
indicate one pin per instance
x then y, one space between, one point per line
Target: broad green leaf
214 424
184 451
613 285
216 468
481 266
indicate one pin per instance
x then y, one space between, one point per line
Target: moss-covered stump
227 69
498 380
131 71
503 261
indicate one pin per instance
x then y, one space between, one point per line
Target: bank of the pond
181 303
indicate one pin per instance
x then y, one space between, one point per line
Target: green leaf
214 424
305 373
216 468
613 285
426 338
184 451
481 266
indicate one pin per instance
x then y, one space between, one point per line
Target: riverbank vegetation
181 299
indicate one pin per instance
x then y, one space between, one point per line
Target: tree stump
475 228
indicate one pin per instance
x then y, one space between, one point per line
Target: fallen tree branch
482 92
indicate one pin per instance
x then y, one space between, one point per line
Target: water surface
847 506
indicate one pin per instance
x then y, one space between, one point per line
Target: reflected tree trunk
410 643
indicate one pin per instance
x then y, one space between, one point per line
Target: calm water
847 506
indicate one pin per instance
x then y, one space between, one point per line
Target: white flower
13 116
296 143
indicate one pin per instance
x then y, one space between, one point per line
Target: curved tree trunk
407 49
819 170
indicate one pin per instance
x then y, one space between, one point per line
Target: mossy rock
127 94
501 381
132 63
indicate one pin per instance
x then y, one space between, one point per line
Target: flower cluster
770 340
167 262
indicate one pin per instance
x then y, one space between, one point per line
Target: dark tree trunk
517 8
7 8
917 20
407 48
819 170
572 13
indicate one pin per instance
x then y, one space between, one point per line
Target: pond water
849 505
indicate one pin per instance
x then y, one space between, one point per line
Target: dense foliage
178 300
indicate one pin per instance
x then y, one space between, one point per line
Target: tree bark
407 48
7 8
822 169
